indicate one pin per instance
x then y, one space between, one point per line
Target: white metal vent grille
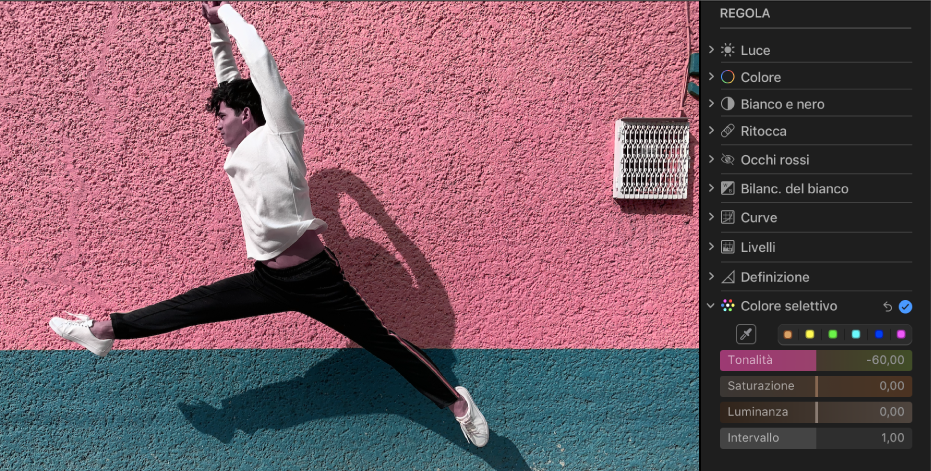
651 158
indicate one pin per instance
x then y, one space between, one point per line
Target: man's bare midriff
306 248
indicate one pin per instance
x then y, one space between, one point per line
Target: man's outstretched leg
228 299
318 288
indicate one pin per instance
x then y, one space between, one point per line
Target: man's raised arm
280 116
223 62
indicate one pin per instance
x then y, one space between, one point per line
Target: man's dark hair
238 95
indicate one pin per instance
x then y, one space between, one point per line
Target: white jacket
267 169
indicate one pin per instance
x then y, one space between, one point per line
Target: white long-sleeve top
267 169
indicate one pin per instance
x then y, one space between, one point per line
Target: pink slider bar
769 360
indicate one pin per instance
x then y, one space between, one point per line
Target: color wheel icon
728 305
728 76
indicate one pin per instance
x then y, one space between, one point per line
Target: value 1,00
893 438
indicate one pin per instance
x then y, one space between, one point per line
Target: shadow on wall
342 385
681 206
421 312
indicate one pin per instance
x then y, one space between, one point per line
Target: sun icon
727 50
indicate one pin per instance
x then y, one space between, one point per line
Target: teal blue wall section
344 410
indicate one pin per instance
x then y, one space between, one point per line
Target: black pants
316 288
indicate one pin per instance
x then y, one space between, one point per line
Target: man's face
232 128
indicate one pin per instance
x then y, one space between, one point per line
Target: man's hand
209 9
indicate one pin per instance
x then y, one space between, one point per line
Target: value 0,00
891 386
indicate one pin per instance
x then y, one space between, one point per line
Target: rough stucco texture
461 152
308 409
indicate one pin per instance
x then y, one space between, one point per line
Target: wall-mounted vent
651 158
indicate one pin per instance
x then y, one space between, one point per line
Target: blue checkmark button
905 307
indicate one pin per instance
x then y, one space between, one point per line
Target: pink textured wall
462 154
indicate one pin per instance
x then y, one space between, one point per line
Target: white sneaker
474 426
80 332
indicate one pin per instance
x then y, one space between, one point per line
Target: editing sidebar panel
816 235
